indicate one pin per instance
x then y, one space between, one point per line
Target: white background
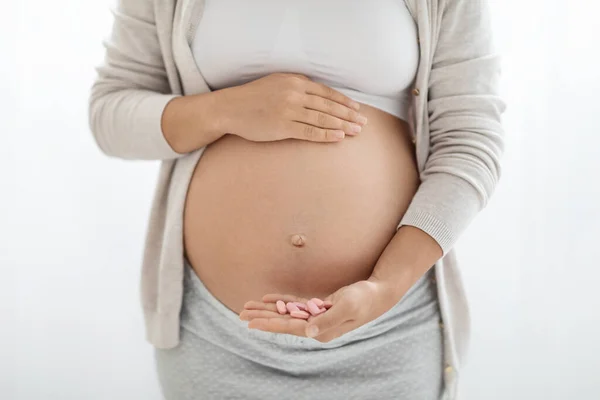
72 221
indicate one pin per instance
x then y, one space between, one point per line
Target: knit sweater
455 117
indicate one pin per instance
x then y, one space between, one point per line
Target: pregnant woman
310 149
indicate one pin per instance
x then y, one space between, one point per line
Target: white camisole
367 50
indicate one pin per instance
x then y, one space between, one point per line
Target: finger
299 130
324 120
327 92
337 332
332 108
273 297
328 301
334 317
248 315
259 305
293 326
303 77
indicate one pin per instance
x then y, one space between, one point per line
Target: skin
276 211
354 305
276 107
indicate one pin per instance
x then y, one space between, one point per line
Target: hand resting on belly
268 213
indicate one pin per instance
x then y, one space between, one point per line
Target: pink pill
317 301
313 308
291 307
281 309
300 306
299 314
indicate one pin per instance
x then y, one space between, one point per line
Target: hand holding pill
322 319
302 310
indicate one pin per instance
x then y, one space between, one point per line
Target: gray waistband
201 307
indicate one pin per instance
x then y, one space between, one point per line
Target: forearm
408 256
192 122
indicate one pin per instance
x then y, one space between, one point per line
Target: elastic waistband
195 287
202 306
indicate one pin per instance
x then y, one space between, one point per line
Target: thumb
332 318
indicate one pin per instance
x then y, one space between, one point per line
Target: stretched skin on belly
294 216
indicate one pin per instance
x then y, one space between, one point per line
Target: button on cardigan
455 116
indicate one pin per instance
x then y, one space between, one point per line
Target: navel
298 240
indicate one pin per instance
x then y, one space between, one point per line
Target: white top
366 50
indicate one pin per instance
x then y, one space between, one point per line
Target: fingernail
356 128
312 331
362 119
339 134
356 106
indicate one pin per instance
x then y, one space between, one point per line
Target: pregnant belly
294 216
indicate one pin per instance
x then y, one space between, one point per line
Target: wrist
224 110
400 266
390 290
396 283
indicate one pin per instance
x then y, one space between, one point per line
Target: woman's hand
352 306
283 105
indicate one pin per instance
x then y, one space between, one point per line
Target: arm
356 304
132 114
466 144
400 265
466 134
460 175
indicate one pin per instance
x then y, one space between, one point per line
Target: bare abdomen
294 216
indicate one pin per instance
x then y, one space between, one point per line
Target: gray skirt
398 355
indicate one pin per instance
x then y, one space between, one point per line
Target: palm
263 315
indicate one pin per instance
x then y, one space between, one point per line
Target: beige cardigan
455 117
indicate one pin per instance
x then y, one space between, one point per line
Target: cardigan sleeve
466 138
131 90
